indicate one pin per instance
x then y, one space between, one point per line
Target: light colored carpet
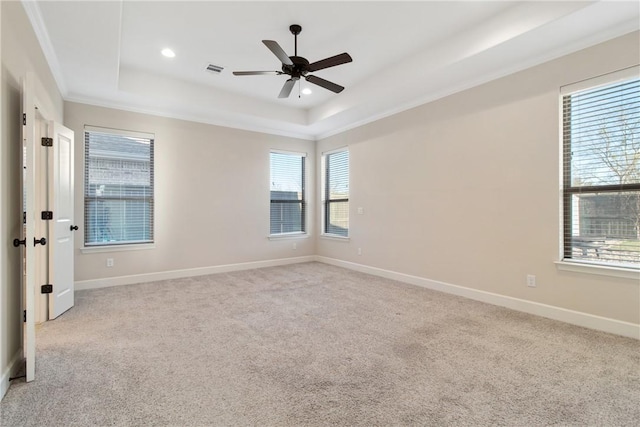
313 344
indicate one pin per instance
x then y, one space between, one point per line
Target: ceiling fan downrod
295 30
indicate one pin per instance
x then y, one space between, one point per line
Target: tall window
288 205
335 193
118 187
601 177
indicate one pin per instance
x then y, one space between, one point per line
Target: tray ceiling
404 54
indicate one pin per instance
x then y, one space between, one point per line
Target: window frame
119 245
326 201
568 190
303 201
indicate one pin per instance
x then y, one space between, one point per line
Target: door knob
73 227
42 241
18 242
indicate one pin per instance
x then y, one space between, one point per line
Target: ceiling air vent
215 68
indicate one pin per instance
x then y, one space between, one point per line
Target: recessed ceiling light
168 53
307 91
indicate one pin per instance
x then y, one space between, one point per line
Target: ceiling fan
297 66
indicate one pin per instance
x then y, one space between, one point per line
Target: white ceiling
404 53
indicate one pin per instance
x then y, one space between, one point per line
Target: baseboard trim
9 372
578 318
191 272
586 320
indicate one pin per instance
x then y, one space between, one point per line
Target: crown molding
32 10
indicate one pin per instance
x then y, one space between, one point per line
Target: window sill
598 269
335 237
287 236
117 248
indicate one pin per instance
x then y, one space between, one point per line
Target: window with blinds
601 176
118 187
335 193
287 189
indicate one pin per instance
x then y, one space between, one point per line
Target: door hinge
46 289
47 142
24 315
46 215
24 118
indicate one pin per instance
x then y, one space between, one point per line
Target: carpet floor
313 344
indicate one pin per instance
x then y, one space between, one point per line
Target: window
335 193
118 187
288 205
601 176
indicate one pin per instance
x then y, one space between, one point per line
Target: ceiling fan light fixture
168 53
307 91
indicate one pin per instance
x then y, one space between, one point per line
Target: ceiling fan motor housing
299 68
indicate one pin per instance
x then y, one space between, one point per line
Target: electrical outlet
109 262
359 251
360 211
295 246
531 280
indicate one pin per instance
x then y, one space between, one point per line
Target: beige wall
21 53
465 190
212 195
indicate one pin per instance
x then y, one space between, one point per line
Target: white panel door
62 227
30 218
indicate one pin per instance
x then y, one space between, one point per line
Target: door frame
42 227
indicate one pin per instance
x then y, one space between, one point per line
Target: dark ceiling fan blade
256 73
277 51
324 83
286 89
343 58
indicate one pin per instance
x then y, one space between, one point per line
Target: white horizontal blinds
118 202
287 188
336 197
601 136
